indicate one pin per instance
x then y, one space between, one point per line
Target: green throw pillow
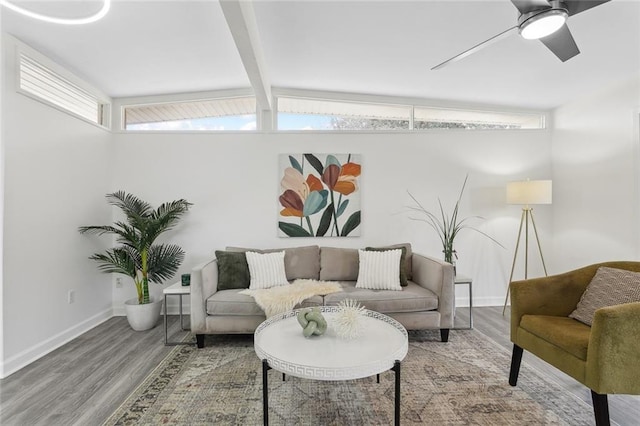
403 261
233 270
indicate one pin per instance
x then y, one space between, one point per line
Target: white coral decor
348 320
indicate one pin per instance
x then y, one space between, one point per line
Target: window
322 114
209 114
317 114
441 118
47 85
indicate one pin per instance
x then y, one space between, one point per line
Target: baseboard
489 301
174 309
462 302
26 357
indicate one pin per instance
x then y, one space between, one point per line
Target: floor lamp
527 193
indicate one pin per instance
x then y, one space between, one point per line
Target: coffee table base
265 391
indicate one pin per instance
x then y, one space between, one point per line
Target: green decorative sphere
312 322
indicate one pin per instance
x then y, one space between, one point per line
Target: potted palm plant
137 255
447 226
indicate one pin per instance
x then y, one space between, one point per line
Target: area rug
462 382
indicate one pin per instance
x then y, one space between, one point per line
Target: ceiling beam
241 19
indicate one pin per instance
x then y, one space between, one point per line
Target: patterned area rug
462 382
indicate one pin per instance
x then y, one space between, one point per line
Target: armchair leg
200 340
516 359
600 408
444 334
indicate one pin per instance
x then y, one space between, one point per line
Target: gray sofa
427 302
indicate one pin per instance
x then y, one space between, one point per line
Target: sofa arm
204 283
613 355
437 276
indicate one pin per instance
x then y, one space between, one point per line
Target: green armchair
604 357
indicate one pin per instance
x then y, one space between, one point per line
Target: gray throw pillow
403 261
233 270
338 264
609 287
299 262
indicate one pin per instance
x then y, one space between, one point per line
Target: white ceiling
370 47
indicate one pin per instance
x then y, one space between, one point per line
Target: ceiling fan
543 20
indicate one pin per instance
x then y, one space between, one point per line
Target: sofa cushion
379 270
408 256
609 287
566 333
299 262
230 302
233 270
338 264
412 298
403 262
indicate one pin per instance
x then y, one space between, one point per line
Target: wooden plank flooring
84 381
624 410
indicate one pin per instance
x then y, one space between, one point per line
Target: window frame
542 119
412 103
121 104
408 118
267 121
104 102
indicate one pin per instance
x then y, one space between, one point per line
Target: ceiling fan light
543 24
106 4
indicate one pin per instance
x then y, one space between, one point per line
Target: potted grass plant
447 226
137 255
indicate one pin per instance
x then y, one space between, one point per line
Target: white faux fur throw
277 300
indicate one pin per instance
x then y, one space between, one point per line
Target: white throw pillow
266 270
379 270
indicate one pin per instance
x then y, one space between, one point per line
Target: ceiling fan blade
576 6
561 43
525 6
475 48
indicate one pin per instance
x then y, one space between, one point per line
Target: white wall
56 172
56 169
232 179
595 160
2 72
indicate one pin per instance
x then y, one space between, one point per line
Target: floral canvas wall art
319 195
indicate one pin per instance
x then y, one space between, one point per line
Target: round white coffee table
280 345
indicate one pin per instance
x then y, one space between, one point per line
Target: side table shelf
176 289
461 280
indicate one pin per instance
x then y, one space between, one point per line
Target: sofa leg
516 358
200 340
444 334
600 408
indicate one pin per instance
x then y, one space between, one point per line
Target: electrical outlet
118 282
71 296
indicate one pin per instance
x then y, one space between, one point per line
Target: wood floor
84 381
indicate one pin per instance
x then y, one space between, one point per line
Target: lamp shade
529 192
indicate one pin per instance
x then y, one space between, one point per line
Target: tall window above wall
41 82
442 118
318 114
206 114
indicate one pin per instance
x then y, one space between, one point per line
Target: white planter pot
143 317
